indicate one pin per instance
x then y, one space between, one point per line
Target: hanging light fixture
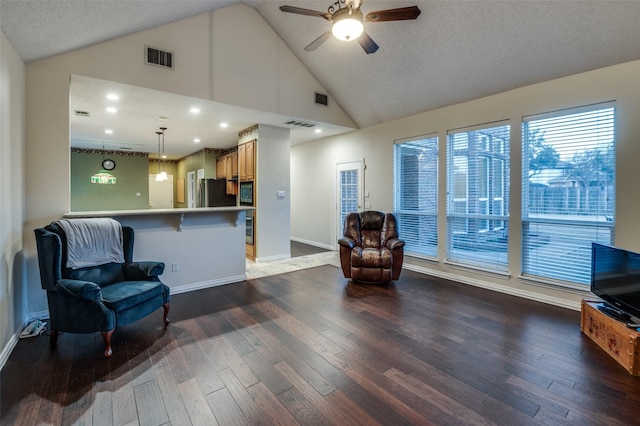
104 177
162 175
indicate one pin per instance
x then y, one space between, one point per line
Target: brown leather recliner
370 249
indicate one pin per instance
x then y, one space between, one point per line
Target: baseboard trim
496 287
6 352
207 284
312 243
41 315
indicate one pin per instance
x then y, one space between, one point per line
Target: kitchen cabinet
227 168
246 160
230 166
234 164
220 168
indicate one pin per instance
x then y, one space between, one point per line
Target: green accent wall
210 165
132 174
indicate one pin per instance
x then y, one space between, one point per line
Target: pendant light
103 177
162 175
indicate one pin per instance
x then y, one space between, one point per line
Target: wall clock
108 164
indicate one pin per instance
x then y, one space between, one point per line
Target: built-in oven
250 226
246 193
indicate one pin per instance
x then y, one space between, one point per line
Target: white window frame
418 226
556 248
482 246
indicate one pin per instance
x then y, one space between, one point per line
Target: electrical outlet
174 267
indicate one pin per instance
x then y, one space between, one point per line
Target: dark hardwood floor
310 348
301 249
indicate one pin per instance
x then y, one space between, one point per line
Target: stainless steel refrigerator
213 193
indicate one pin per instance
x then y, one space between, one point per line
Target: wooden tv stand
613 336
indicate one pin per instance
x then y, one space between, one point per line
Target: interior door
349 191
191 190
160 193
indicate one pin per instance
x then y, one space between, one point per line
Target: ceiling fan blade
317 42
400 14
308 12
367 43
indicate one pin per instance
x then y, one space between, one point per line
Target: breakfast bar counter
201 247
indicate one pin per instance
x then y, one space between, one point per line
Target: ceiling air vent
158 57
82 113
322 99
299 123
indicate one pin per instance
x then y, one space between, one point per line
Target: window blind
348 193
478 196
415 182
568 191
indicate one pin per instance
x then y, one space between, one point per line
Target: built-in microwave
246 193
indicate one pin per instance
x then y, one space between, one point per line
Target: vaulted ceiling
455 51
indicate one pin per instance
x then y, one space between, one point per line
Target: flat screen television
615 278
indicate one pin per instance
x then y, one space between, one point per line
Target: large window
415 180
568 191
477 196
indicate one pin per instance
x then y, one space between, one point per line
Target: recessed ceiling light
108 131
318 130
162 118
113 96
224 125
197 140
112 110
195 110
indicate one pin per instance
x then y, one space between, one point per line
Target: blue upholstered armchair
100 297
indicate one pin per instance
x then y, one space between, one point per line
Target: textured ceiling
455 51
459 50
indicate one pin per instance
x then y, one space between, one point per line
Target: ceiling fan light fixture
347 24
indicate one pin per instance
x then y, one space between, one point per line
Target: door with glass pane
349 191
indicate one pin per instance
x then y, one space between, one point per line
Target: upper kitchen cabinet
246 160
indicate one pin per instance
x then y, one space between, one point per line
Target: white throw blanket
92 242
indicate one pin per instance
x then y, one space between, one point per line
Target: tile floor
263 269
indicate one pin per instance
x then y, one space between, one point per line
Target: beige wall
313 166
272 215
12 199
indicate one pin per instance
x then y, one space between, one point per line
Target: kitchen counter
201 247
152 212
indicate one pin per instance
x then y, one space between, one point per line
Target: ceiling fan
347 21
